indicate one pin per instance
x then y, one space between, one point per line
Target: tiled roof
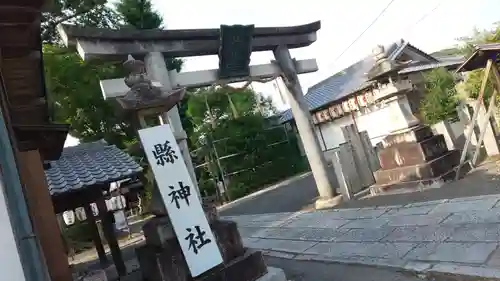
354 78
340 84
445 63
88 164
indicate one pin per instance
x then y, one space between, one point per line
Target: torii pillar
152 45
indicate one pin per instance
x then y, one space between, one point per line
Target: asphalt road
297 195
301 193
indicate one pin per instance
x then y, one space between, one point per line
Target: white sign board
120 220
183 205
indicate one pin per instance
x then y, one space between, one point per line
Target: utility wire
364 31
410 27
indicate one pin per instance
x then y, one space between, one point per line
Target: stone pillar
157 71
303 120
43 215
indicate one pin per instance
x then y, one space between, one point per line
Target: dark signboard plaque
235 50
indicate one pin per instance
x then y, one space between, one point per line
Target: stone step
409 154
427 170
419 185
414 134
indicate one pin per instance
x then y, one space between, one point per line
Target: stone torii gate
234 45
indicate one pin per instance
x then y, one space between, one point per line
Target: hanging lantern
110 206
95 210
80 214
119 202
69 217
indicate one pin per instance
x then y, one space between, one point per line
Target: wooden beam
470 130
113 88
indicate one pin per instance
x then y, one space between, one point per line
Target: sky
430 25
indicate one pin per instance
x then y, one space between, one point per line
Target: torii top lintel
117 44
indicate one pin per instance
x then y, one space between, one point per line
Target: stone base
327 203
420 185
413 134
161 259
249 267
273 274
429 170
171 266
414 153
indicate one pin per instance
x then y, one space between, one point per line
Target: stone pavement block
425 203
453 252
476 232
465 206
415 220
317 223
274 217
417 266
472 198
406 211
494 260
364 235
349 249
421 251
260 223
478 273
431 233
398 263
355 213
365 223
284 245
249 231
250 242
308 234
489 216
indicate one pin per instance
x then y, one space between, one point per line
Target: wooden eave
48 139
480 56
22 79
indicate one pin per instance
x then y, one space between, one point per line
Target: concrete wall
378 121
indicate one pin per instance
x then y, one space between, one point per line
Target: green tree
75 93
474 78
139 14
78 12
440 101
234 124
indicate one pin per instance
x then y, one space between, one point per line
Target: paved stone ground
320 271
444 235
300 193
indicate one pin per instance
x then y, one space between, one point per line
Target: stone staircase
413 158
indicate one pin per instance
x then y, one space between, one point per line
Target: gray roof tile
354 78
87 164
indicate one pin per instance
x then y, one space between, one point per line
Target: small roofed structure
81 176
485 56
480 57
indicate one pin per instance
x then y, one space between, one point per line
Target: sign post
183 206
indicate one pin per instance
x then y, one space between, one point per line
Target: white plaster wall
10 260
378 122
332 132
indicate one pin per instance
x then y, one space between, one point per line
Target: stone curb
423 270
262 191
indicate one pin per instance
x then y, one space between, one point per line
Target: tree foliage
75 94
235 127
78 12
440 101
209 108
474 78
